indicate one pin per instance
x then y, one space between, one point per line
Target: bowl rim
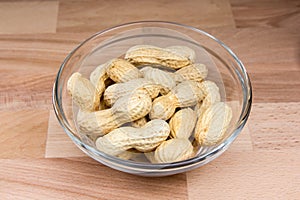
247 103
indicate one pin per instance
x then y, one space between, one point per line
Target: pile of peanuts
154 100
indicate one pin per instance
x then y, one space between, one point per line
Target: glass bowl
224 68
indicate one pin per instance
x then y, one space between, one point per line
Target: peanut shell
183 123
143 139
159 77
126 109
147 54
83 92
120 70
212 124
173 150
118 90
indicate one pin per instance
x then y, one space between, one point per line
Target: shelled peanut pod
148 54
159 77
212 124
127 155
183 123
130 107
193 72
118 90
184 51
185 94
212 96
139 122
173 150
83 92
98 78
120 71
143 139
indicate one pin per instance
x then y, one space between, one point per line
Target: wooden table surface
38 160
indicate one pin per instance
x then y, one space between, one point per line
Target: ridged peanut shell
127 155
210 88
120 70
126 109
184 51
173 150
212 124
143 139
99 73
163 107
185 94
183 123
188 93
139 122
98 78
83 92
118 90
194 72
212 96
147 54
159 77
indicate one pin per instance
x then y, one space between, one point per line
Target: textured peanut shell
173 150
98 78
163 107
83 92
195 72
127 155
183 123
150 156
183 51
139 122
185 94
143 139
212 124
147 54
99 73
212 96
126 109
120 70
188 93
159 77
209 88
118 90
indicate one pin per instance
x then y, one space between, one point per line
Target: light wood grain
28 17
276 82
23 133
97 15
275 126
257 46
266 13
243 142
58 144
247 175
28 67
81 178
271 56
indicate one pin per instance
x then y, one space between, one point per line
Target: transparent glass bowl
224 68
